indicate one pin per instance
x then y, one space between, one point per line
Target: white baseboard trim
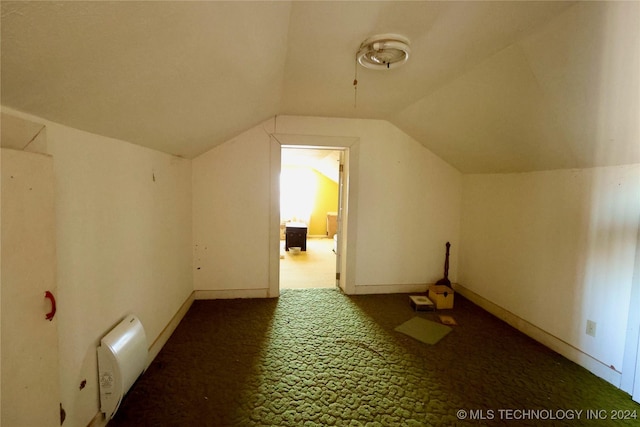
572 353
98 420
231 293
164 336
391 289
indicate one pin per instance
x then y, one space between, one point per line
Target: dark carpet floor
315 357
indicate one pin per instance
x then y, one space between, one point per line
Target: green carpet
424 330
315 357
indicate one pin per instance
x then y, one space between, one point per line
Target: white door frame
636 388
347 229
630 378
341 203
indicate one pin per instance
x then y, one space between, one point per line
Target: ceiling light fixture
381 52
384 51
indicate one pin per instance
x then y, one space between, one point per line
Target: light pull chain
355 84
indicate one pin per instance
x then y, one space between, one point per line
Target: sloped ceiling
490 86
325 161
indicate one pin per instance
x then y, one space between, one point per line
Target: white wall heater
122 357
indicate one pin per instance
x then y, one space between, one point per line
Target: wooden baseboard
556 344
391 289
231 293
98 421
164 336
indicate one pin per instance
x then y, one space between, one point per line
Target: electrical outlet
591 328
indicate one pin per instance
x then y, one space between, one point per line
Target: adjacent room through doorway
309 205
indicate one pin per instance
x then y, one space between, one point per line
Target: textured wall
408 207
326 201
556 249
123 231
231 214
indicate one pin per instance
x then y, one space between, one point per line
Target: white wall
556 248
231 217
408 208
123 246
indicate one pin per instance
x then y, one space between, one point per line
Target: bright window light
298 187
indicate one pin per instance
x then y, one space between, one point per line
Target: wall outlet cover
591 328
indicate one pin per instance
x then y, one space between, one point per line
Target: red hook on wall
49 315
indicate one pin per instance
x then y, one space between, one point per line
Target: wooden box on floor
442 296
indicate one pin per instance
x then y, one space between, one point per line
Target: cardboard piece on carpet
424 330
447 320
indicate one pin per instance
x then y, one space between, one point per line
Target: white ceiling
490 86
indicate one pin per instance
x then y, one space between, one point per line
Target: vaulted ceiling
489 87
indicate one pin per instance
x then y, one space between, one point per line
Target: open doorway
309 206
349 147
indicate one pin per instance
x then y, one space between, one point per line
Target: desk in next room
295 235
